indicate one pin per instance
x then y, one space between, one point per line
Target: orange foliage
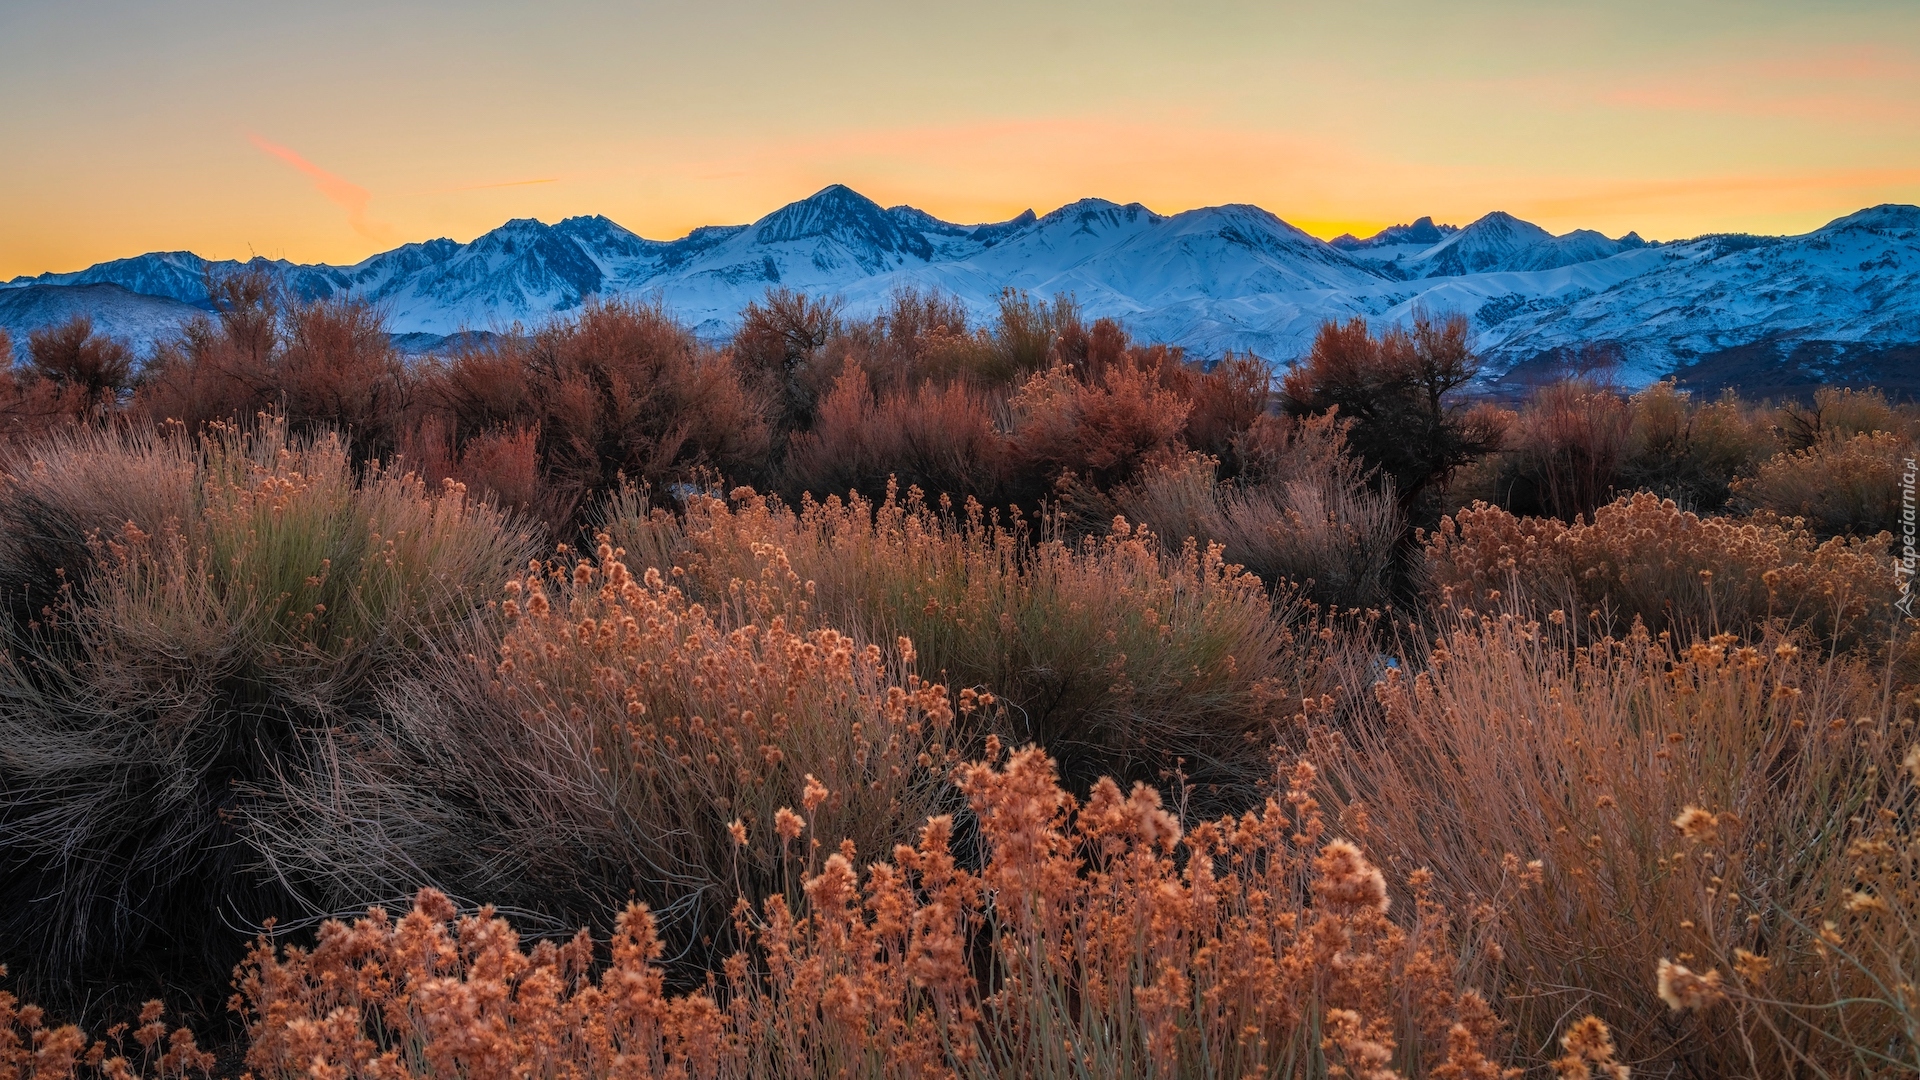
1645 558
1114 944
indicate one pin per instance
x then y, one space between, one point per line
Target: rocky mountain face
1221 278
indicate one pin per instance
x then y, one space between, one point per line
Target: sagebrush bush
1302 512
1558 777
1691 452
1118 657
1644 558
185 612
1080 946
1563 459
611 743
1841 485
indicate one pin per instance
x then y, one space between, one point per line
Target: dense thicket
1601 703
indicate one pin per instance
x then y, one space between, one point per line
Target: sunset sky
329 131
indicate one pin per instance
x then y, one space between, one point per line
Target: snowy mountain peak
840 214
1089 215
1422 232
604 239
1888 216
918 220
990 235
1501 242
1215 278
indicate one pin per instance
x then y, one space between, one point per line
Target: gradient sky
326 131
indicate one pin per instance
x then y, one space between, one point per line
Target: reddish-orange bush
71 375
71 355
503 463
937 437
621 390
1096 939
1645 558
337 370
217 371
30 1049
1100 427
1398 390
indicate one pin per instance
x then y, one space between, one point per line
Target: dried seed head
1347 880
1682 988
787 824
1696 825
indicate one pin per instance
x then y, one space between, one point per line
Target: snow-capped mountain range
1218 278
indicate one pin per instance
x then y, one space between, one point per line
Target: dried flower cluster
1118 655
30 1049
1643 557
624 740
1637 816
1096 939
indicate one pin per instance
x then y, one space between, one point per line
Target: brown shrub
1301 512
1228 399
1079 939
217 371
1397 390
1840 412
778 344
620 391
337 370
71 375
71 355
479 388
1644 558
625 390
937 437
1615 800
503 464
1841 485
1100 428
1691 452
918 338
1564 457
1828 991
1025 334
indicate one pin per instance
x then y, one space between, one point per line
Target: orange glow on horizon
436 119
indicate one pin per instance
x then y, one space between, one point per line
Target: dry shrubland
185 613
717 650
1077 946
1623 801
1119 655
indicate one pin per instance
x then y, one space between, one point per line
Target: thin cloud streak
343 193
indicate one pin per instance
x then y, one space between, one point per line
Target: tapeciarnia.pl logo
1903 567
